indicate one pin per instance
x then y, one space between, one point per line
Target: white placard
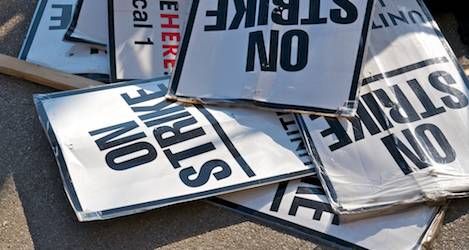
44 43
300 56
144 37
302 206
124 149
89 23
409 143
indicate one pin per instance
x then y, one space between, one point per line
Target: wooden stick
42 75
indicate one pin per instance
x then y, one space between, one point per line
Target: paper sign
302 206
44 43
89 23
409 143
145 36
124 149
300 56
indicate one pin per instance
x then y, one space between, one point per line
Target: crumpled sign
124 149
44 43
144 37
89 23
302 207
407 143
286 56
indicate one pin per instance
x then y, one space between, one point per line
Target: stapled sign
124 149
408 142
288 56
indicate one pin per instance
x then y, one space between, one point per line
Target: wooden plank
42 75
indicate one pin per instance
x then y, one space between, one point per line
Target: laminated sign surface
44 43
302 206
124 149
89 23
274 54
408 142
144 36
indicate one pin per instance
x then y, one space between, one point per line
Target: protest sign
124 149
300 56
407 143
44 43
89 23
144 37
302 206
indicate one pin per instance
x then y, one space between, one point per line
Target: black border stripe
405 69
309 233
354 91
33 29
112 41
183 48
229 145
137 208
353 94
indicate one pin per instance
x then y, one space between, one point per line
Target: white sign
124 149
89 23
44 43
409 143
144 37
292 56
302 206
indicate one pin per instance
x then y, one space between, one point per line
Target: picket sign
124 149
144 37
408 142
44 43
301 206
89 23
302 56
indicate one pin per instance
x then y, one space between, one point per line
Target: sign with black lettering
89 23
125 149
296 55
144 37
302 207
407 143
44 43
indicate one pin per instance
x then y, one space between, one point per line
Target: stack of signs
288 56
120 158
44 43
405 145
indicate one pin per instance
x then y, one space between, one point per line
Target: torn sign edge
72 36
348 109
319 237
368 210
31 34
145 206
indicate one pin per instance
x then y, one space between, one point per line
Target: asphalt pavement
34 211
